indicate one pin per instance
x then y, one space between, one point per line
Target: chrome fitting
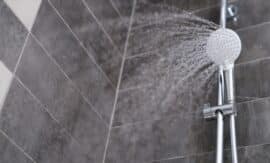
211 112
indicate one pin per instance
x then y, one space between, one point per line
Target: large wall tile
252 79
169 93
9 153
78 66
251 154
25 121
253 123
250 13
124 7
113 23
154 140
13 35
93 38
64 102
255 44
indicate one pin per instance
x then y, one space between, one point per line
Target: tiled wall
67 104
148 129
64 57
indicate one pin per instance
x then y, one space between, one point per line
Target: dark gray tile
123 6
30 126
211 14
203 158
155 140
10 153
64 102
158 29
250 154
114 24
252 123
65 49
252 12
255 154
12 34
255 44
93 38
169 93
252 80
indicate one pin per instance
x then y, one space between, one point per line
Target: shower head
223 46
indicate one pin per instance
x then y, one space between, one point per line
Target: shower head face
223 46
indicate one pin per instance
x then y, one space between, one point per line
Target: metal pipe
223 13
220 129
220 86
228 84
229 94
233 139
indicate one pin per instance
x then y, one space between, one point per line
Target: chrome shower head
223 46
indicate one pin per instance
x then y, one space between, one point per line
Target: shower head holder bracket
211 112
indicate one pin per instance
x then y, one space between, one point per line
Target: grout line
81 44
252 61
100 25
203 9
116 9
21 54
17 146
74 85
119 81
185 115
210 152
122 90
252 26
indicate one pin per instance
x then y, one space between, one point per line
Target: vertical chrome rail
229 86
223 13
233 139
220 122
220 129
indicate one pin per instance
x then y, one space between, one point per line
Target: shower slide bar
225 103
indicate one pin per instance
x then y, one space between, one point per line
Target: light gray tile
25 10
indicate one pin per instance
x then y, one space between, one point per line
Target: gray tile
171 92
256 154
13 35
93 38
212 14
67 52
30 126
10 153
250 154
159 29
124 7
252 123
252 75
203 158
255 44
114 25
250 13
55 91
155 140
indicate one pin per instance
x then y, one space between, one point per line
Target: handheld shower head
223 46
